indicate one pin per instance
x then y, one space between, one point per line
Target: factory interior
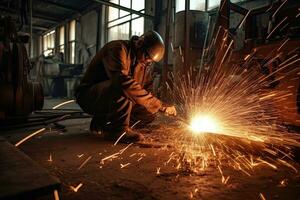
215 114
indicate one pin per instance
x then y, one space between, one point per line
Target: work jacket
116 63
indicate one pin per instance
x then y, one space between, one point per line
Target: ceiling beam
107 3
35 15
60 5
37 27
46 18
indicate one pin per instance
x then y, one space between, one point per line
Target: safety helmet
153 45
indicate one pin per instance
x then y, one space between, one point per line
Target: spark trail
246 131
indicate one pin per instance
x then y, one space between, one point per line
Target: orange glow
205 124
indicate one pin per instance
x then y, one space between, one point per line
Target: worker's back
114 56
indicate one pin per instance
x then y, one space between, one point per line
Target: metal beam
158 13
37 27
238 9
124 8
34 26
59 5
46 18
41 28
166 56
186 38
36 15
30 29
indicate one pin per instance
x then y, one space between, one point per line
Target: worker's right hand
169 110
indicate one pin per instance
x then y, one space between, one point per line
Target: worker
112 88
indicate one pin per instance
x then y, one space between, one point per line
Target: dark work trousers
110 108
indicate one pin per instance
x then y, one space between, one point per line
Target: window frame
131 17
207 8
61 47
48 46
72 42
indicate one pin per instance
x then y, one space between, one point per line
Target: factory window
198 4
61 44
121 24
72 41
213 4
48 43
118 32
180 5
236 1
40 45
136 27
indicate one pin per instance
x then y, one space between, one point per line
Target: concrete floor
133 174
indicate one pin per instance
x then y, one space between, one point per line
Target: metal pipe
186 36
57 4
205 42
40 16
48 120
97 31
30 29
166 56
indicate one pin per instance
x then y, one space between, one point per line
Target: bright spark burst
204 124
236 102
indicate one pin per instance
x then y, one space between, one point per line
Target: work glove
168 110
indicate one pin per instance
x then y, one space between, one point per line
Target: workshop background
234 61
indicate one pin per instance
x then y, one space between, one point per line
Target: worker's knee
95 99
85 103
140 113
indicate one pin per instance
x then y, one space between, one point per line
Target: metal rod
186 36
98 31
167 43
57 4
41 16
205 42
124 22
37 27
45 122
30 29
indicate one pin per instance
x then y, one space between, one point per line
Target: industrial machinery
19 95
273 49
197 25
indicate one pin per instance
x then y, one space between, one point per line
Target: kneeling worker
112 89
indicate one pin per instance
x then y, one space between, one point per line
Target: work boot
129 135
96 126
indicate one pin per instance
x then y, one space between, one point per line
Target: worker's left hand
169 110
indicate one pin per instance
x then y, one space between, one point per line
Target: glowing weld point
204 124
257 139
